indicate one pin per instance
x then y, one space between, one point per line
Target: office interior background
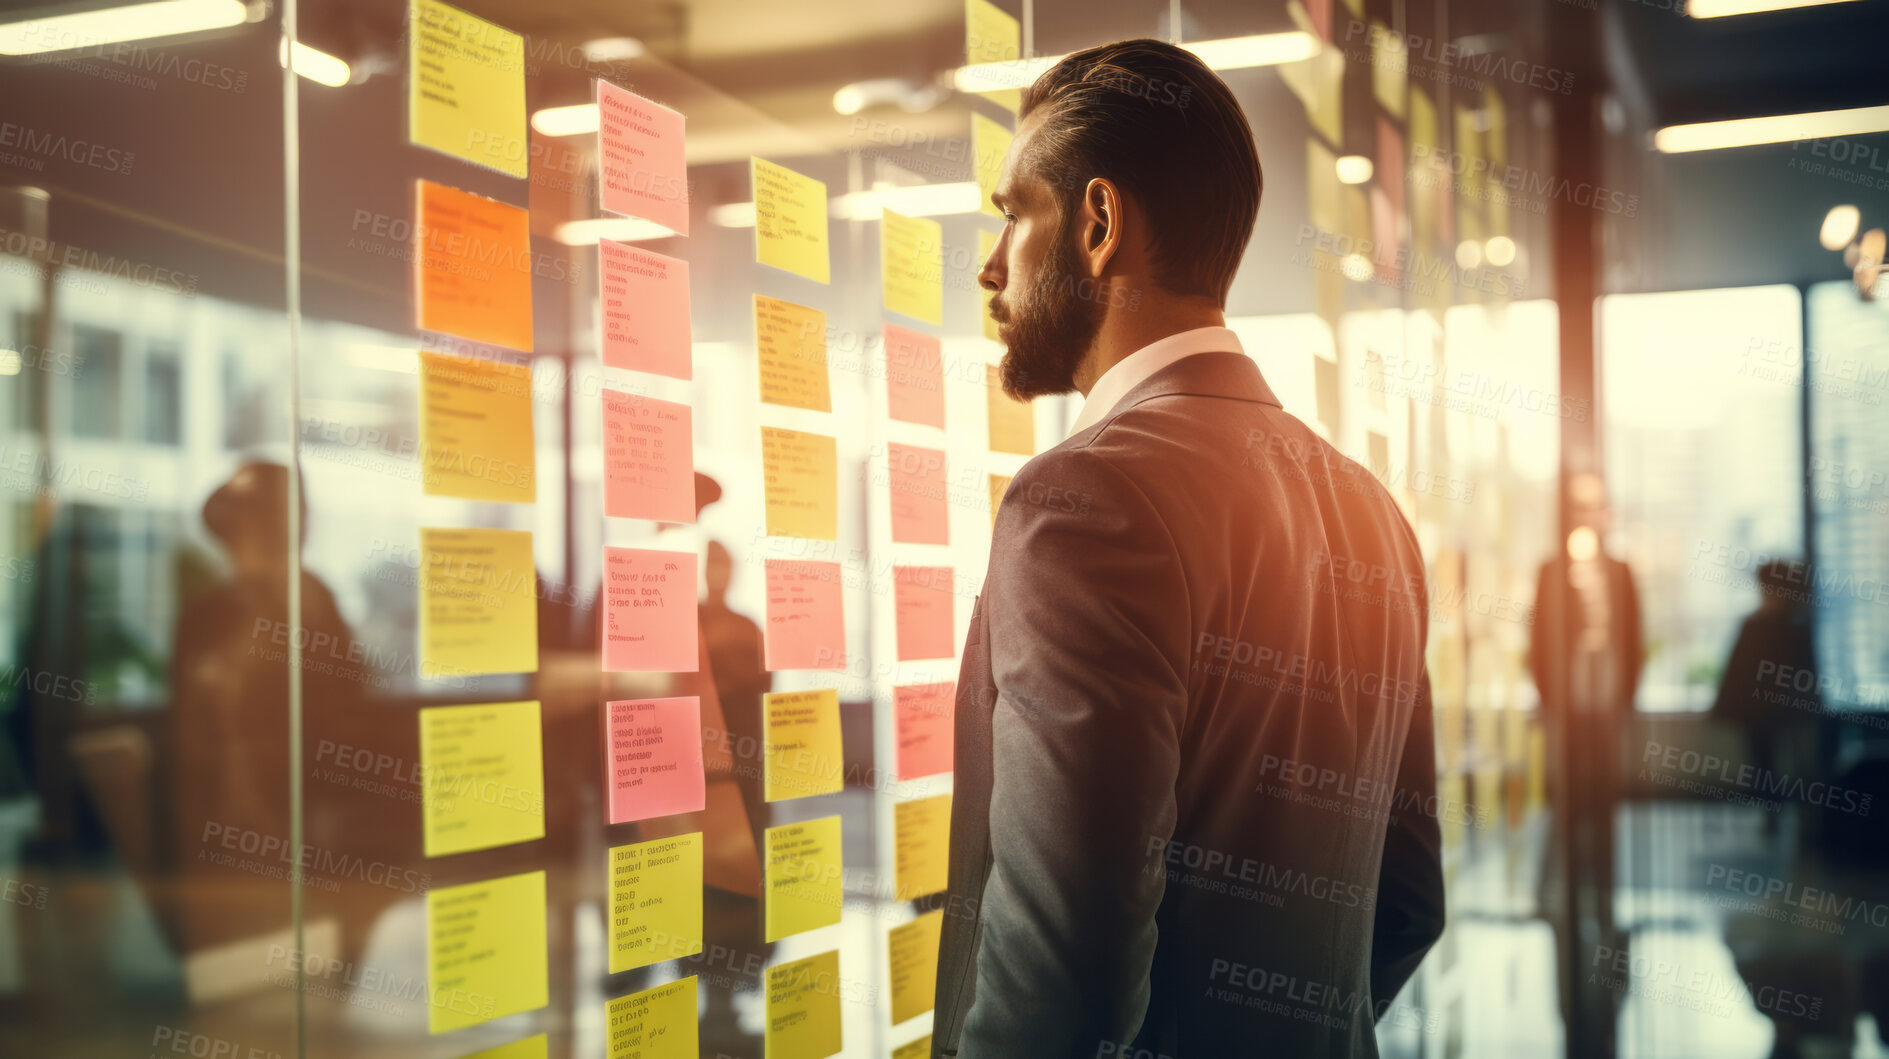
1619 351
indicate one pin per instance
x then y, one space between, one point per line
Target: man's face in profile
1034 273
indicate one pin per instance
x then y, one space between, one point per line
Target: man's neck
1124 332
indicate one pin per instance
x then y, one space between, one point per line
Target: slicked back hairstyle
1155 120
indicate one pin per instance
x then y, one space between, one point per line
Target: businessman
1195 808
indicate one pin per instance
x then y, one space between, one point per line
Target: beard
1049 331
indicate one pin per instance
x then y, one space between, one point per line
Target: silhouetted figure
1769 688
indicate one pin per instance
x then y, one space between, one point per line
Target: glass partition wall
519 611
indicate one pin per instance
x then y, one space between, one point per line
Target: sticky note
649 611
986 242
790 221
473 267
655 757
911 254
806 627
475 429
644 304
800 474
1012 423
990 142
658 1023
919 1048
923 715
485 951
803 1008
655 901
915 477
484 769
803 755
790 344
921 605
466 87
999 484
912 951
991 35
803 876
641 171
478 602
921 838
529 1048
914 377
648 458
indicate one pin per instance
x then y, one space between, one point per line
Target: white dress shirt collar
1130 371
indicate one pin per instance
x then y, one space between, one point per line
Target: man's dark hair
1154 119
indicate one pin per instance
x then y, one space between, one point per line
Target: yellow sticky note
530 1048
803 1008
803 753
915 1049
990 142
921 838
913 954
986 242
790 221
484 769
803 877
1012 422
1390 68
911 250
999 483
475 429
790 341
993 36
485 951
657 1023
478 602
655 901
801 482
466 87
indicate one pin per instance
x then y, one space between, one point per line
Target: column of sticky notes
483 764
805 626
653 756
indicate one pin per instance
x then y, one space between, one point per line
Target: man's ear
1099 229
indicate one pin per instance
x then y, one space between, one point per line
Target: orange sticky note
805 754
1012 423
921 602
648 458
649 611
923 714
921 841
790 343
801 482
645 310
805 626
999 485
473 268
655 758
641 171
916 480
475 429
914 377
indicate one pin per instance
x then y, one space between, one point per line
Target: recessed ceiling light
1839 227
1353 169
1725 8
114 25
1776 128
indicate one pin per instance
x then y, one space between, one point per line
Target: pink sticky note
916 479
649 623
914 377
805 628
921 603
648 459
641 168
654 758
645 310
924 716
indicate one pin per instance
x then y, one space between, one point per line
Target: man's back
1193 698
